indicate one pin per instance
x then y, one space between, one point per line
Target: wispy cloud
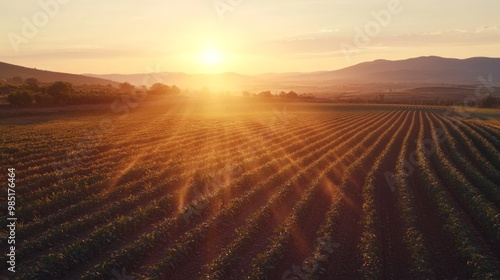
328 30
325 42
487 28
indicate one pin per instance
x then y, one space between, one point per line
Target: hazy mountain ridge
430 70
422 69
8 71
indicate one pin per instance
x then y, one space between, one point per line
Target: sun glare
212 58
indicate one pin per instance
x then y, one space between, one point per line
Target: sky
243 36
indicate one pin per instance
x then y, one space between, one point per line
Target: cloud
486 28
325 42
328 30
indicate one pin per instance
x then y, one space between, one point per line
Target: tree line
269 94
32 93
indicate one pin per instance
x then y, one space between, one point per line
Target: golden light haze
247 37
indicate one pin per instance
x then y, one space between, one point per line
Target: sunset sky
253 36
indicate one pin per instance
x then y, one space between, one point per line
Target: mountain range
428 70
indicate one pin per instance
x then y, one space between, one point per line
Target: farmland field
228 190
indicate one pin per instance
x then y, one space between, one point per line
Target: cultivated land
231 190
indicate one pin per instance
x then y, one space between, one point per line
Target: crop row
223 216
460 230
228 256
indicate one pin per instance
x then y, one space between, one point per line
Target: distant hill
424 70
7 71
421 71
430 70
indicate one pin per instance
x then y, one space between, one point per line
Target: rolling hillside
429 70
7 71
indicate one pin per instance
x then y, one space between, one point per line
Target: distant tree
126 87
282 94
21 98
159 88
246 93
266 94
292 94
489 102
61 91
32 84
7 88
44 99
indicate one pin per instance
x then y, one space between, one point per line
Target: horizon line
258 74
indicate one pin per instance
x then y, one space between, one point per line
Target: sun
212 57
